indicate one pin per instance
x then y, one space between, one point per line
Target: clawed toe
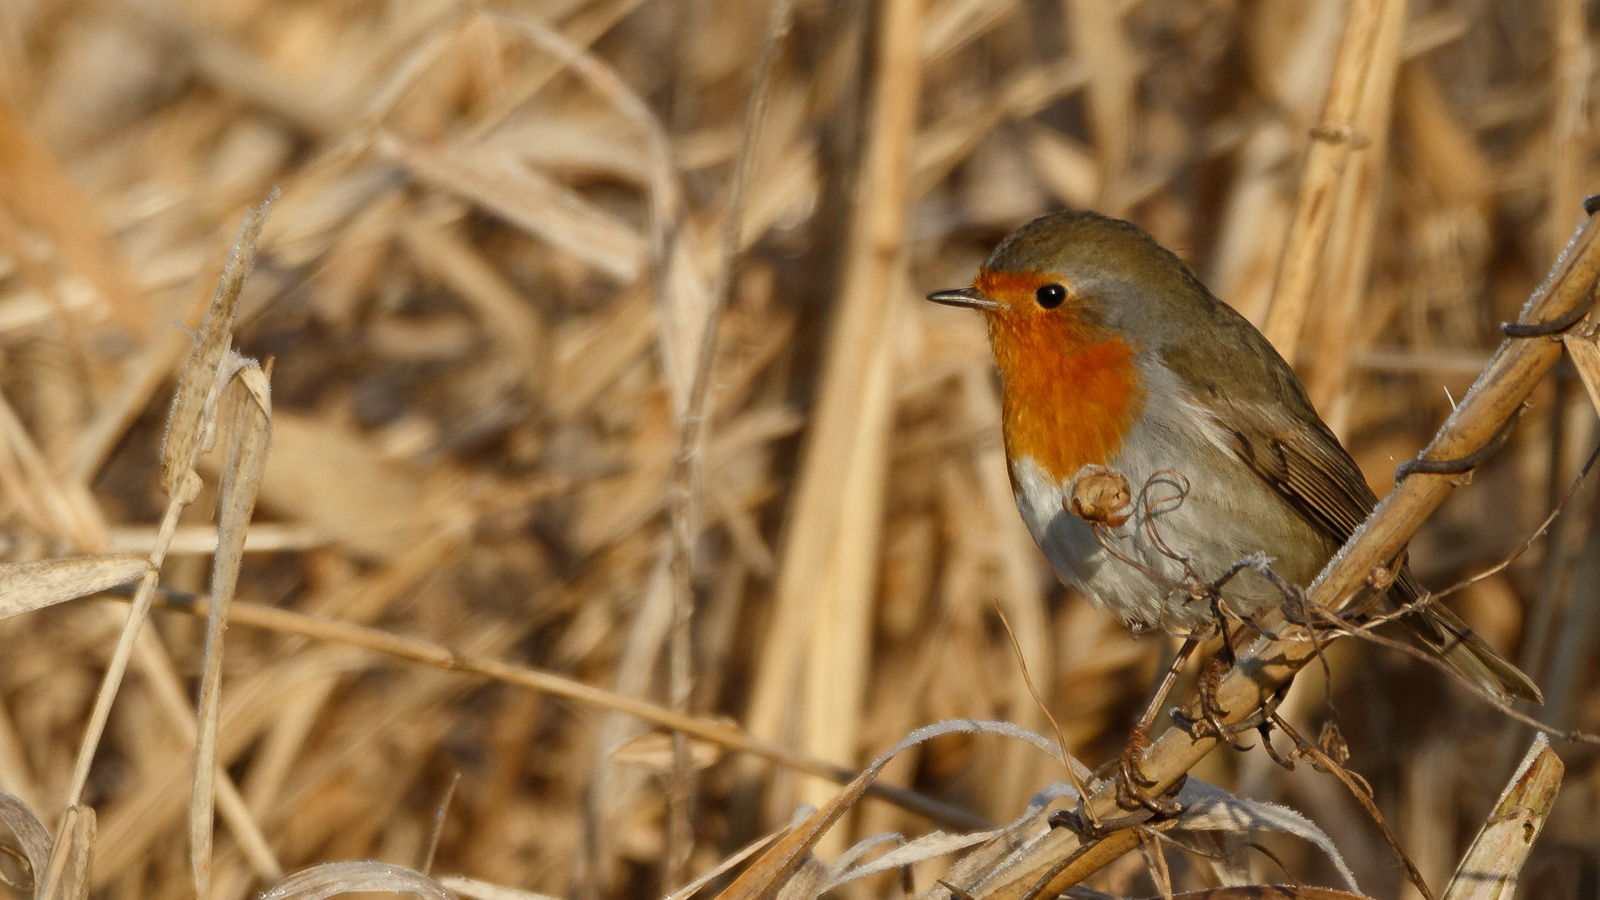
1133 785
1210 722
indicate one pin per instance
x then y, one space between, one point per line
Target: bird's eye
1050 296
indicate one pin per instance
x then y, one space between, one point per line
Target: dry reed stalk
1490 867
1347 263
527 199
615 790
66 510
1099 42
1332 143
1574 67
66 876
34 585
694 429
838 641
1259 205
839 431
1583 346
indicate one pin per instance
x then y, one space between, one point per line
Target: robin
1126 378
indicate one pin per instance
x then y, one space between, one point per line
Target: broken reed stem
249 424
1267 664
1332 142
1490 867
715 731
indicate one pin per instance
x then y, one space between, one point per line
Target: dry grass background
482 294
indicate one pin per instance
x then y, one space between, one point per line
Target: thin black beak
968 297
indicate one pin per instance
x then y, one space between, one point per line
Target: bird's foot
1133 786
1210 722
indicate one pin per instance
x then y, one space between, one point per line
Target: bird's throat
1069 399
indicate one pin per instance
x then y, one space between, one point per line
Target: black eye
1050 296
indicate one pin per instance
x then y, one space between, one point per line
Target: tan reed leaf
955 24
527 199
653 751
30 834
335 483
35 585
64 509
484 890
249 435
1353 232
335 878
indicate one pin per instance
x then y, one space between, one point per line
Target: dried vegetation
567 459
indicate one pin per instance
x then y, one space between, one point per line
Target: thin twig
717 731
1061 738
1361 791
688 476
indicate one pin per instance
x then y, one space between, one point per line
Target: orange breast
1071 395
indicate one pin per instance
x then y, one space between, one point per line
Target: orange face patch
1071 393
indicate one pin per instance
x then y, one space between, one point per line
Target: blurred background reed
483 293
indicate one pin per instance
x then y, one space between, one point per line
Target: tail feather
1461 647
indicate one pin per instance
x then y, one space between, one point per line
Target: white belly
1225 514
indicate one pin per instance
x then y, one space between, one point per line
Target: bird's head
1076 304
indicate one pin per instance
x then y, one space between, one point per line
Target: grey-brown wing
1306 466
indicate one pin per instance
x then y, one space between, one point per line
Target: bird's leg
1209 722
1141 730
1132 783
1267 716
1210 681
